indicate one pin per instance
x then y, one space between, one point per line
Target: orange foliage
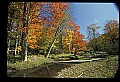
58 12
77 39
38 20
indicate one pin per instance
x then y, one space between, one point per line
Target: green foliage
10 58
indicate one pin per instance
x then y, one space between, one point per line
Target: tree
18 21
25 21
14 22
91 31
109 41
73 39
40 26
58 18
92 35
77 40
67 40
112 36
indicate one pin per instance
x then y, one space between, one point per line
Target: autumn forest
40 31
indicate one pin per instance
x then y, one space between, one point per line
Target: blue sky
88 13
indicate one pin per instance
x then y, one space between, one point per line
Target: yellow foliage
19 48
67 43
54 46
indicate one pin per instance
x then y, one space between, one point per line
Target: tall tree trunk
52 43
24 33
8 47
26 50
59 29
16 44
27 25
23 46
21 40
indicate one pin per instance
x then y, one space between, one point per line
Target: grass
55 56
63 57
33 61
97 69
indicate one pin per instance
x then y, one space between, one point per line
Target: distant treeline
109 41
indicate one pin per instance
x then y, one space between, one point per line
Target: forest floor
95 69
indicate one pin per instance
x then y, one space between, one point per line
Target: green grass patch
55 56
33 61
61 57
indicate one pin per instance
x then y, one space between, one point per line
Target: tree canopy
37 27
